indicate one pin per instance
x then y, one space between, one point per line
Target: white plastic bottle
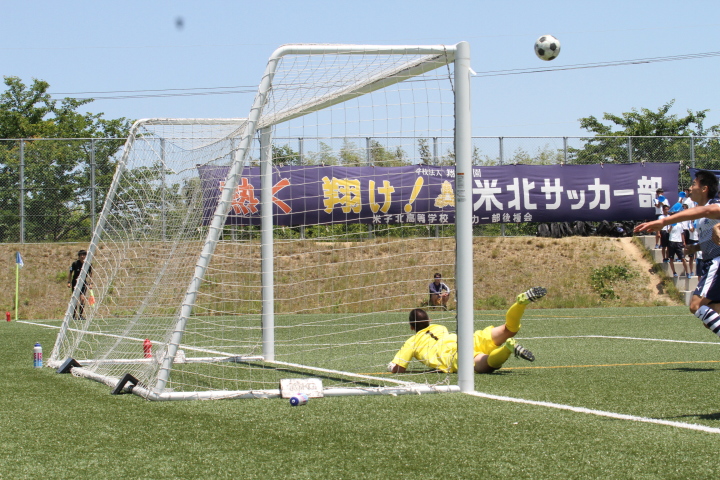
37 356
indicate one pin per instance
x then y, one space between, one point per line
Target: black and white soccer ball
547 47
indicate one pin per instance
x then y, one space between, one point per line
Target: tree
57 184
382 157
325 156
426 157
350 154
284 155
654 131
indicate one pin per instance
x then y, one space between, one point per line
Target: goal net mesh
346 269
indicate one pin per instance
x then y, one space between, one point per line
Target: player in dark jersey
75 269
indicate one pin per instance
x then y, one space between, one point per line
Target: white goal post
202 289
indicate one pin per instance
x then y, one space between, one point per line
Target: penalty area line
57 327
599 413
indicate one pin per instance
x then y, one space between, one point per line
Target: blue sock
710 318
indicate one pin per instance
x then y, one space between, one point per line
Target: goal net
232 254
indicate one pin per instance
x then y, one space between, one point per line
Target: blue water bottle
37 356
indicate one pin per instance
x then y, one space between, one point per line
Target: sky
168 59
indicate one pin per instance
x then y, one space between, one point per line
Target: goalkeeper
435 347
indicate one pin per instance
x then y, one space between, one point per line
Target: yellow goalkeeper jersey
434 346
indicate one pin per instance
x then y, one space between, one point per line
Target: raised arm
706 211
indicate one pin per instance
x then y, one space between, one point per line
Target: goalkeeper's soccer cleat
524 353
531 295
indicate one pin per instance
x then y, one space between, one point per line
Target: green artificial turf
59 426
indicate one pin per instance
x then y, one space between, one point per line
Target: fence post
565 150
301 159
692 150
502 153
502 161
163 213
22 191
436 159
629 149
93 198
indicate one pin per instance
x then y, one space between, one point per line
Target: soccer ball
547 47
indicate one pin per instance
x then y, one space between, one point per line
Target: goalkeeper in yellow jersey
435 347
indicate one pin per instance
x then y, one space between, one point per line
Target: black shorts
675 249
664 238
82 290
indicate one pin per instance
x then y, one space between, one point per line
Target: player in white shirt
676 246
663 232
660 203
686 200
691 239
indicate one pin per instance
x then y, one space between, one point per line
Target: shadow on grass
691 369
701 416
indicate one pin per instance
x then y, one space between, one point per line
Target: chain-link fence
52 189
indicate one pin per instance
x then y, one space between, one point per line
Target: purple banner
424 195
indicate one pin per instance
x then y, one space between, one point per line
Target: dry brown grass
503 268
43 280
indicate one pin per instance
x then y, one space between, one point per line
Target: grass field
614 393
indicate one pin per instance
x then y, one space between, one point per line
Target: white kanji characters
487 189
527 186
646 190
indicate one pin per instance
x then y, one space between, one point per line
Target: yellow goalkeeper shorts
483 342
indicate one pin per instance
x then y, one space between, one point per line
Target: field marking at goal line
600 413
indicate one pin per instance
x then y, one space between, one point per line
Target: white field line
195 349
622 338
600 413
57 327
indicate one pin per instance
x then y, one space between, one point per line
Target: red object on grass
147 348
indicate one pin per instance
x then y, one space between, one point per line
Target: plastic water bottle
37 356
298 399
147 348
